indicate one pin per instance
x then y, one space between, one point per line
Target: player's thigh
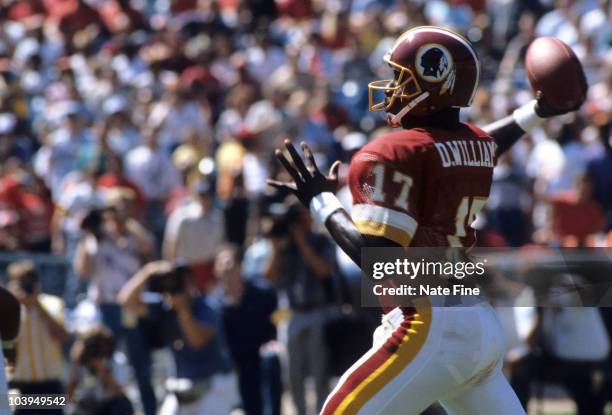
493 395
404 379
378 388
412 392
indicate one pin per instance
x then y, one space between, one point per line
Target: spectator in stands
117 132
576 155
39 367
575 215
151 169
509 202
37 214
177 114
232 120
114 178
26 201
246 309
301 263
555 351
71 147
95 385
184 230
77 197
9 231
11 145
205 382
599 172
111 250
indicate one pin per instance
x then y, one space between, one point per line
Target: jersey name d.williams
423 186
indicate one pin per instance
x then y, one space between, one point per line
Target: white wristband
323 205
526 116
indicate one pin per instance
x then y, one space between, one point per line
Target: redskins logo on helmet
433 69
433 62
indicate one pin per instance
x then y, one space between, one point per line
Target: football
555 72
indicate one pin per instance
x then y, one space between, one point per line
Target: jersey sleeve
385 197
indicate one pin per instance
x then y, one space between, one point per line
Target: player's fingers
287 165
333 170
297 160
282 185
311 164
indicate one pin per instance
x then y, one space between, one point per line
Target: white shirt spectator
225 72
263 62
574 166
122 136
456 17
75 200
112 266
567 326
46 360
123 140
263 116
569 329
128 69
193 235
64 155
229 124
152 170
176 120
255 173
556 24
545 160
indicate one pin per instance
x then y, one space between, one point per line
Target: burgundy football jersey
423 186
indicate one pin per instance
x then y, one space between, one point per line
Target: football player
421 185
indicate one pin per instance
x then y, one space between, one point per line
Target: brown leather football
554 71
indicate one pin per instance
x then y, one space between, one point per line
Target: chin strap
396 120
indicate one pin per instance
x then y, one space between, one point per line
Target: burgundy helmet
433 69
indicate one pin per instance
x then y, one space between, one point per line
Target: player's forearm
510 129
130 294
345 233
505 132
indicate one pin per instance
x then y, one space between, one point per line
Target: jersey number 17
466 211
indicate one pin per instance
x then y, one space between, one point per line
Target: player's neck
446 119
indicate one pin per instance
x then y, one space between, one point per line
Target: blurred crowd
138 130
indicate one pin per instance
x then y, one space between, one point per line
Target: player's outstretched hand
545 110
308 181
